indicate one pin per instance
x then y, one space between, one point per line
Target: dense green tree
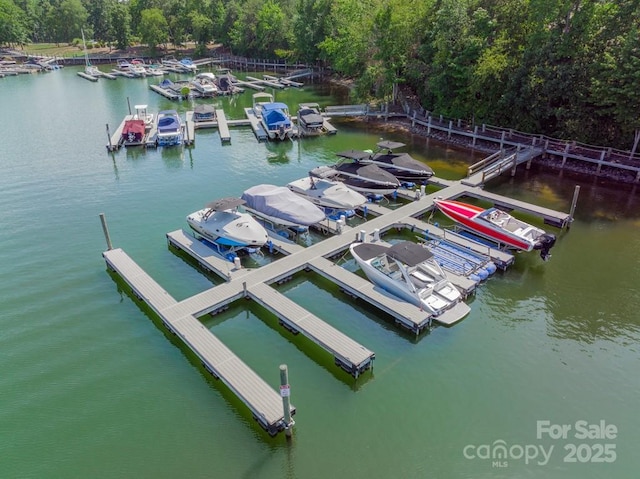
12 23
271 29
202 28
66 20
311 27
120 31
153 28
615 94
99 18
242 35
347 45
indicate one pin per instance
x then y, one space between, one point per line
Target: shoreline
583 169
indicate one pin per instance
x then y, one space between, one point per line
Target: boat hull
422 283
228 229
498 226
357 177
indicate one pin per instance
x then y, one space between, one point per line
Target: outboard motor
544 243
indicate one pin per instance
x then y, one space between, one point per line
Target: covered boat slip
265 403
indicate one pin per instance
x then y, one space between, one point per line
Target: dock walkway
256 126
348 354
491 167
264 403
351 356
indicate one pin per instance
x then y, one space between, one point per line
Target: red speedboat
498 226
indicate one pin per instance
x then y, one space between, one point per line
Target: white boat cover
280 202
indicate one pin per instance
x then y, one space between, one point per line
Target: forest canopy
567 69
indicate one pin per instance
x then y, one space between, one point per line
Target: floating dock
256 126
348 354
264 403
223 126
86 76
180 317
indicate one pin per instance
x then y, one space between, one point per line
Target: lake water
93 387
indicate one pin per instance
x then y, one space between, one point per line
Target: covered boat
335 197
204 113
365 178
498 226
276 121
281 207
409 271
401 165
169 128
310 121
133 132
222 223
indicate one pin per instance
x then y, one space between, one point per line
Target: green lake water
91 386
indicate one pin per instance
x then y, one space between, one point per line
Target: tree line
564 68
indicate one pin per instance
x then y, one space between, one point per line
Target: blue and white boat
169 128
223 224
274 116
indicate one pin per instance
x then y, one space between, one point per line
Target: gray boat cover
225 204
406 252
204 109
281 202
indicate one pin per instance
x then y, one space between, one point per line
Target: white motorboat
410 272
334 197
136 70
205 84
223 224
142 114
281 208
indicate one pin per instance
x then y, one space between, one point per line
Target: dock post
363 236
376 234
103 220
109 138
574 202
515 160
285 392
129 105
